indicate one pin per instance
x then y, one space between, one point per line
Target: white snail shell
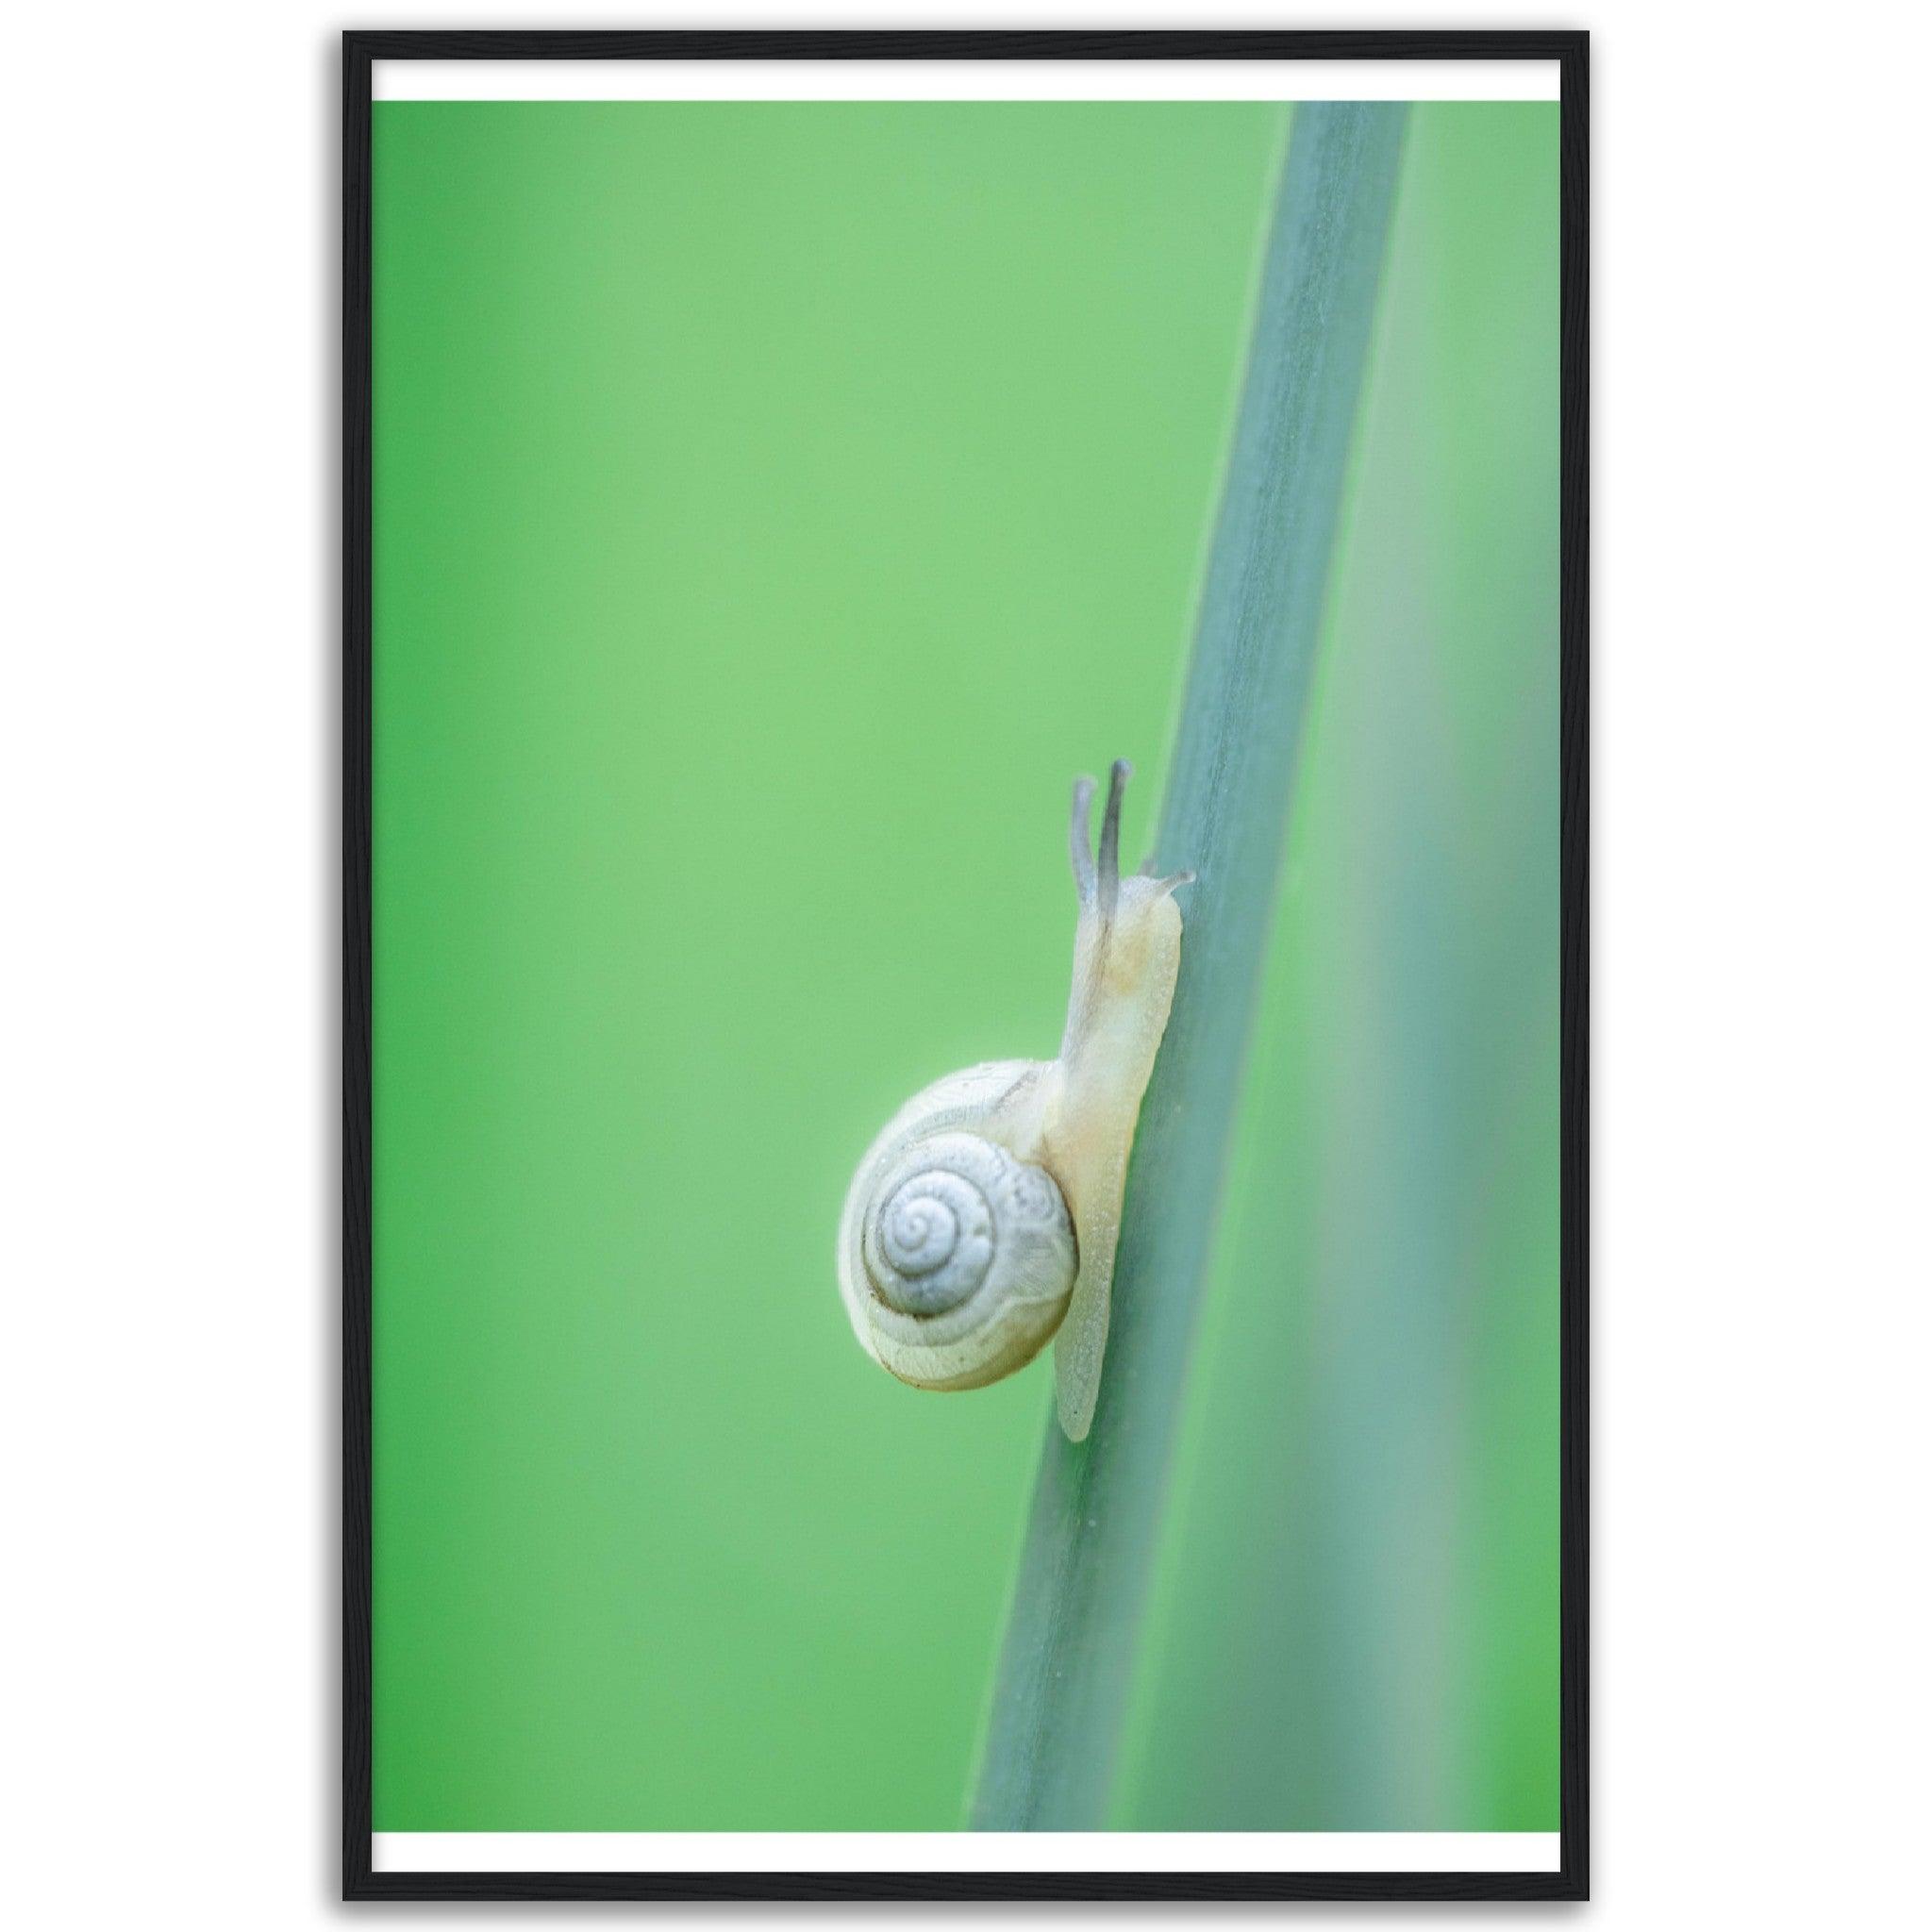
966 1251
982 1222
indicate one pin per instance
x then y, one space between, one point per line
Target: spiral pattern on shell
968 1257
935 1238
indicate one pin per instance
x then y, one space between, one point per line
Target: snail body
982 1222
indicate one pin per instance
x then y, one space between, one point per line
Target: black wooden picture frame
1570 49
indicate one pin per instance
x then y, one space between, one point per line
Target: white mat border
965 1851
626 79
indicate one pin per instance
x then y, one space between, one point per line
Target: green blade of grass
1066 1667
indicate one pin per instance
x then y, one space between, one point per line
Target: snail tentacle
1108 891
1086 879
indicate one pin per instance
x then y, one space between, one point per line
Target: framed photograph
965 978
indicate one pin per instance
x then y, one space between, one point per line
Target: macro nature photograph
967 972
963 1025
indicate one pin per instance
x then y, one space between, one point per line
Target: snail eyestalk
1081 841
1109 890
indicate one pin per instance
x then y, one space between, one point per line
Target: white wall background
167 754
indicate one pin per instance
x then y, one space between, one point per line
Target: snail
982 1222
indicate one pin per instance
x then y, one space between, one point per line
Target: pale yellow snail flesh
983 1220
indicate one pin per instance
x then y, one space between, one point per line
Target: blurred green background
775 506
